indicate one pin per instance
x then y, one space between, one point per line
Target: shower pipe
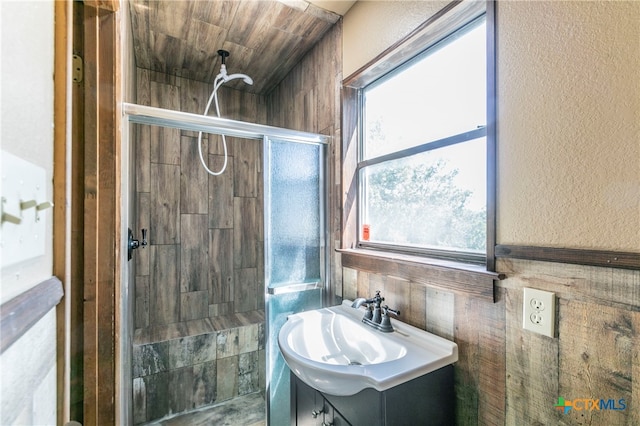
220 79
142 114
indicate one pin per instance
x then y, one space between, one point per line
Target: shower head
244 78
223 77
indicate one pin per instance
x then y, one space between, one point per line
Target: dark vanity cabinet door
308 405
333 417
310 408
429 399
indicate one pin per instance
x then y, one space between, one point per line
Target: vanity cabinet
310 408
425 400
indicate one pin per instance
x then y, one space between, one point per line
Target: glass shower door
294 252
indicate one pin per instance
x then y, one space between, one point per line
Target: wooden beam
108 221
90 215
101 214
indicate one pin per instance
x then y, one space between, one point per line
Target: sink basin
332 351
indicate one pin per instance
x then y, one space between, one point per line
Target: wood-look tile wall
204 257
509 376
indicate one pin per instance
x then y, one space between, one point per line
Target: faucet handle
377 299
385 321
387 310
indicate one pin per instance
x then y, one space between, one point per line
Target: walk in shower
228 258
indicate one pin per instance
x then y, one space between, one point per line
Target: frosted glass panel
293 252
293 219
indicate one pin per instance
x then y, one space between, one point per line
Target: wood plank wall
594 354
204 257
509 376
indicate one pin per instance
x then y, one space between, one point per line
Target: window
422 167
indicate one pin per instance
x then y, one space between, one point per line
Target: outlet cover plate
539 311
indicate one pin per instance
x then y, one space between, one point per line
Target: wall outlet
539 311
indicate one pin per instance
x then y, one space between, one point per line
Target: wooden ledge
588 257
452 276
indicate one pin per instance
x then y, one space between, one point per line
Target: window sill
467 279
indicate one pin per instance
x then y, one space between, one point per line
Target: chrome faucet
376 315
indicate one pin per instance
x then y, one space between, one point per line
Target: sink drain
354 363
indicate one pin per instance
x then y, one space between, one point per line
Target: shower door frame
146 115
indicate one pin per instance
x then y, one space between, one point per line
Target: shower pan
292 257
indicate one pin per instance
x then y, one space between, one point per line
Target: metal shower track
187 121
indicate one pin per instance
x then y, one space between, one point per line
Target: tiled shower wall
211 294
199 283
204 257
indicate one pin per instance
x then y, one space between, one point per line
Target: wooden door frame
102 189
61 146
88 209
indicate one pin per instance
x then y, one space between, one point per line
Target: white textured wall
568 114
28 377
28 367
370 27
569 124
26 97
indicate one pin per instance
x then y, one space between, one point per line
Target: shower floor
247 410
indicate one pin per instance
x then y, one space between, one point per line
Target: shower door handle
294 288
134 244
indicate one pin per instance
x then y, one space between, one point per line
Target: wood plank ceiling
265 38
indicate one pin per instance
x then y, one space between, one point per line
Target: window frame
454 139
444 24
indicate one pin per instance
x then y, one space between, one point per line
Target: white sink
332 351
